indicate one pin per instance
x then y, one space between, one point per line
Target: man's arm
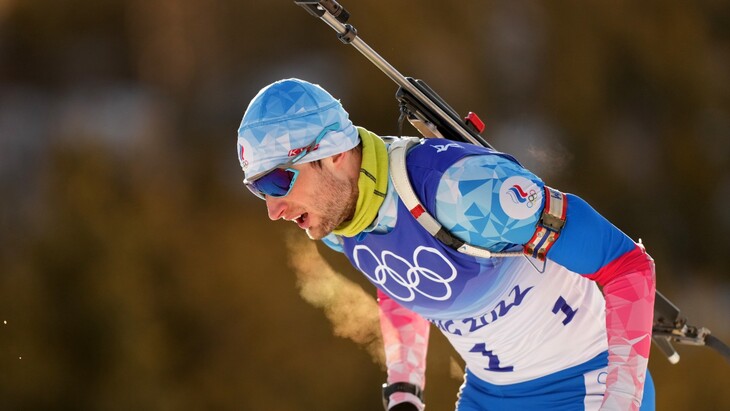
590 245
405 336
629 288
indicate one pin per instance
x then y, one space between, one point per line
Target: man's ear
345 164
339 159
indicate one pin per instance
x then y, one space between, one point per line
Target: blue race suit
532 334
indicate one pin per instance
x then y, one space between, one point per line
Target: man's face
320 200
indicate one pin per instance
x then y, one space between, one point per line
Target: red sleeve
405 336
629 287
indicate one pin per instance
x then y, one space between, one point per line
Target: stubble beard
336 204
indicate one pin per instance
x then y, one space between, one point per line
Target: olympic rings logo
416 279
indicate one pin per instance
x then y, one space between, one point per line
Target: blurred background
136 271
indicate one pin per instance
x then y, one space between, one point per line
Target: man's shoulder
438 155
435 158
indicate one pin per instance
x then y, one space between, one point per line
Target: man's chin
319 232
322 228
315 234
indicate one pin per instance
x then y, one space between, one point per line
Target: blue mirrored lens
276 183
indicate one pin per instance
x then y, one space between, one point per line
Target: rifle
434 118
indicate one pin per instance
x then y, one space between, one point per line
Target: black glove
402 387
404 406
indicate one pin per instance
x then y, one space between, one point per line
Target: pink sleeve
405 336
628 286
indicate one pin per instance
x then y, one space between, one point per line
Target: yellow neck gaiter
372 184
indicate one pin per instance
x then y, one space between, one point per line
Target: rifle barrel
348 34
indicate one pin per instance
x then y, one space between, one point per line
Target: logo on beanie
296 151
244 162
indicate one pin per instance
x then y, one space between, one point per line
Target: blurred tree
137 273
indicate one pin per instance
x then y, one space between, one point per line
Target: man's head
295 147
284 118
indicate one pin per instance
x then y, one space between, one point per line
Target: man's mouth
303 221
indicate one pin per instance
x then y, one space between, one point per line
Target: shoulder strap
399 175
548 228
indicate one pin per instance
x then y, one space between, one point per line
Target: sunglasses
279 181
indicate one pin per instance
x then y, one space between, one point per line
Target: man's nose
275 207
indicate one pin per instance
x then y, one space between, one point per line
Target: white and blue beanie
287 116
